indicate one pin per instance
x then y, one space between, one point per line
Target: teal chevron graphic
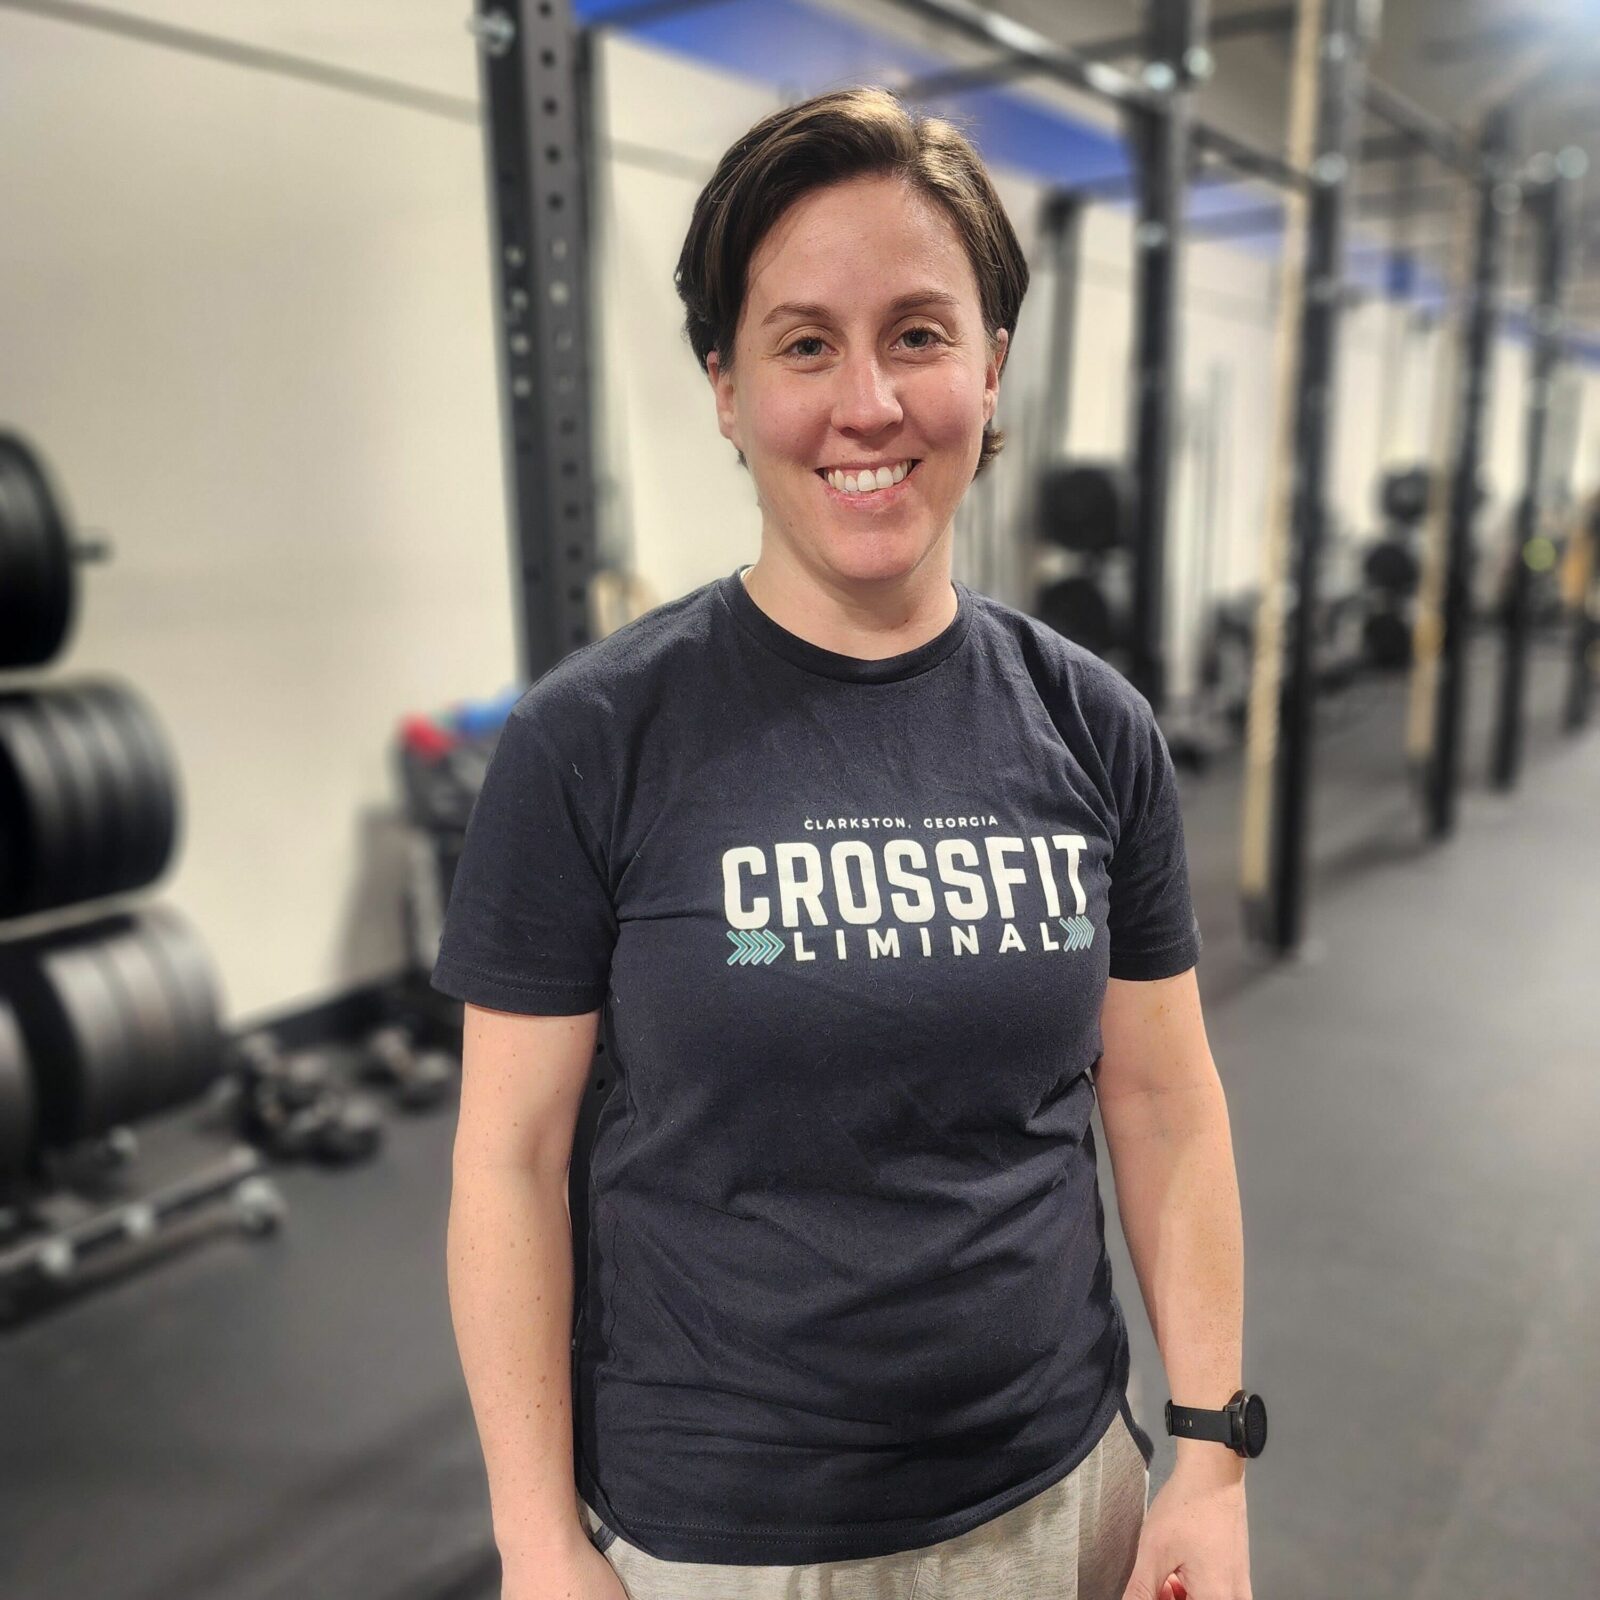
759 946
1080 932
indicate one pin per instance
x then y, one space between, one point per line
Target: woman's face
861 344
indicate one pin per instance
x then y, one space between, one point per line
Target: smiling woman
844 857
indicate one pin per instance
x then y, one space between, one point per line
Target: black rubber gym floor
1413 1107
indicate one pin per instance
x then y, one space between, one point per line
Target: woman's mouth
865 498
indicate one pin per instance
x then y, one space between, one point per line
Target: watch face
1255 1425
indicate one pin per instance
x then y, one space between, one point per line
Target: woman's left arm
1166 1125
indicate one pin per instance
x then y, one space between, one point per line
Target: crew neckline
831 663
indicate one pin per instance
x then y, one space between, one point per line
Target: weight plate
1077 607
1391 566
186 1048
1086 506
190 1013
18 1113
196 995
36 809
37 588
1386 637
22 563
44 1032
158 1039
17 847
121 797
1403 496
140 805
123 1095
84 794
84 1037
127 713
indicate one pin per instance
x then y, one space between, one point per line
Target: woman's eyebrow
918 297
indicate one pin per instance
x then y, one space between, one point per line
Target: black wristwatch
1241 1424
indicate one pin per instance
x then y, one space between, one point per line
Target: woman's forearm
509 1266
1178 1199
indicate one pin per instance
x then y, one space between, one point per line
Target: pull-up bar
1421 129
1247 159
1418 128
1026 52
1029 53
1236 25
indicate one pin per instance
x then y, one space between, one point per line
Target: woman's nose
865 399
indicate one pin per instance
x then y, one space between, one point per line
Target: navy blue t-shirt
850 923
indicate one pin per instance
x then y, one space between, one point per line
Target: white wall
248 320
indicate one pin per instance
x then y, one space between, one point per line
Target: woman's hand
580 1572
1195 1544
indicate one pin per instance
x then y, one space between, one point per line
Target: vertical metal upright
1061 236
538 149
1399 289
1550 207
1496 200
1339 61
1061 245
1158 139
1584 651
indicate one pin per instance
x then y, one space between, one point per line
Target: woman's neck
869 622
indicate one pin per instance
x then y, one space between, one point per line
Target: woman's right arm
509 1268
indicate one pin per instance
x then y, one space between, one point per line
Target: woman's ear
722 388
1002 345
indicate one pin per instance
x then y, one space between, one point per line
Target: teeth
866 482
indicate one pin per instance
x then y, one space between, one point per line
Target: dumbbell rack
103 1022
73 1243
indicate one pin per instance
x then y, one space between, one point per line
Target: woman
868 883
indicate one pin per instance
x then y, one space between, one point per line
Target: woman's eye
812 338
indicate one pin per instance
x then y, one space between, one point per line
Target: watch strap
1191 1422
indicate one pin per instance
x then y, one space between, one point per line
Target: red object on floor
426 739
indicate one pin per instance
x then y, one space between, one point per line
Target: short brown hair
845 133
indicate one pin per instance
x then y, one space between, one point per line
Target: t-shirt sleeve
1154 930
530 924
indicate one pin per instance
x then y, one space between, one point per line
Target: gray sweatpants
1075 1540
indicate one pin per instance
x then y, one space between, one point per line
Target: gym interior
345 392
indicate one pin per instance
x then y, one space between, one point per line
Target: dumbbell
337 1127
293 1081
297 1107
419 1078
341 1127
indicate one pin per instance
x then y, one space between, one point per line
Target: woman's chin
880 556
